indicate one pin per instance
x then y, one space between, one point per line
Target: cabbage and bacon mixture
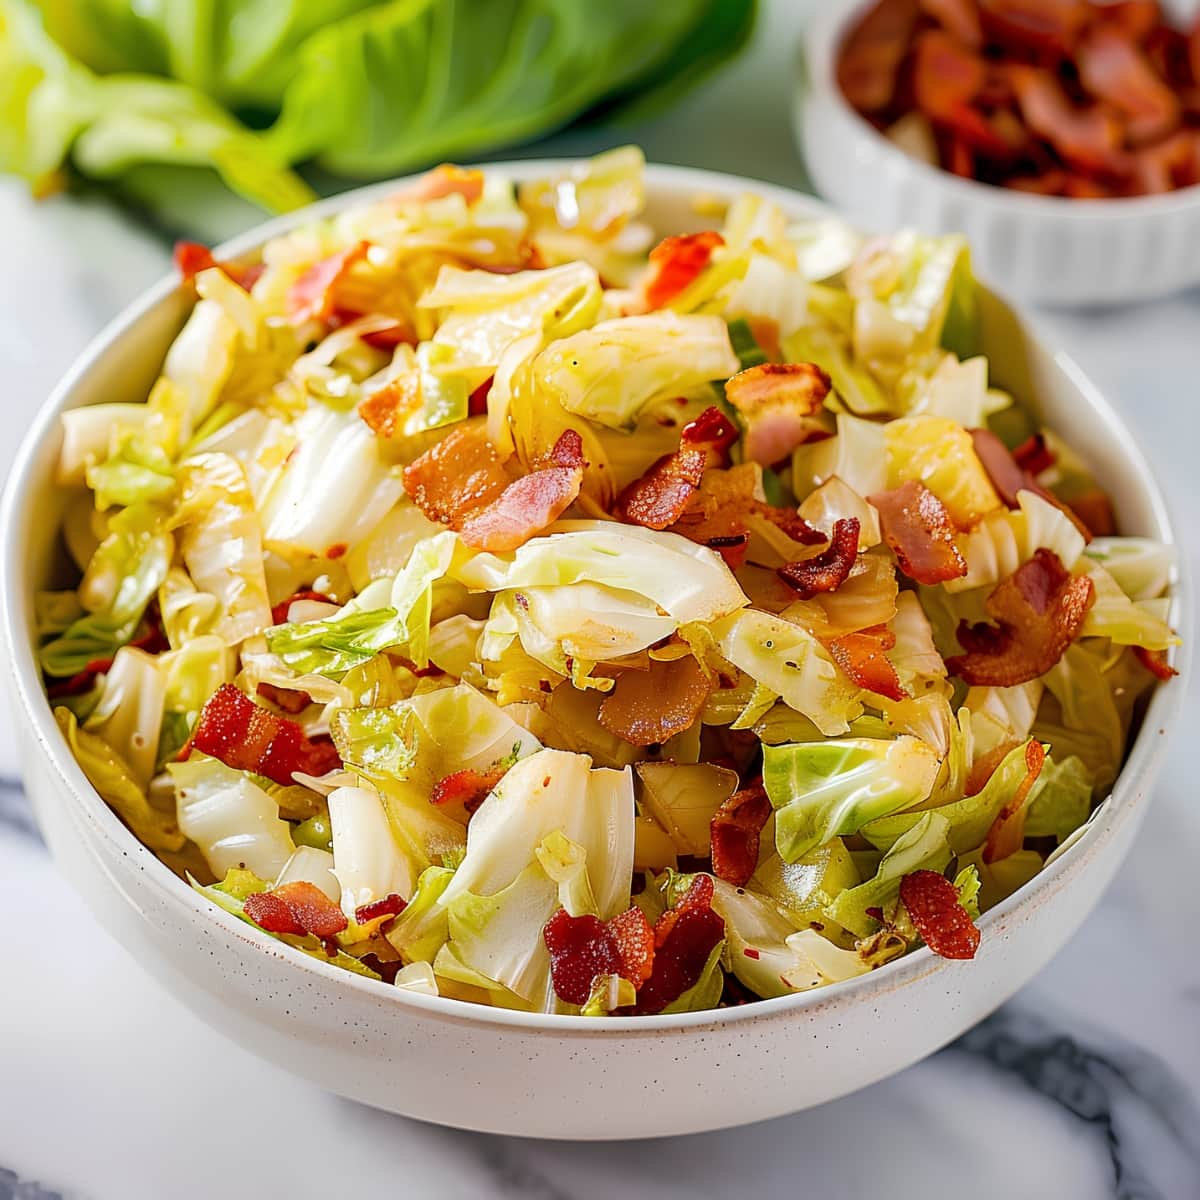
489 600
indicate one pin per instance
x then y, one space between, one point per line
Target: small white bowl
1049 249
548 1076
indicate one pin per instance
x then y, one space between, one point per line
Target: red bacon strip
191 258
390 906
827 571
461 473
862 656
734 833
675 262
583 947
298 908
869 63
1155 661
1114 70
311 296
466 787
442 181
1007 833
918 529
1039 611
779 402
247 737
933 904
645 708
1032 455
959 17
684 937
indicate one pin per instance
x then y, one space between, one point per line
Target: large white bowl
1045 248
547 1076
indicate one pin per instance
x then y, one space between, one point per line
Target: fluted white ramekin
1045 248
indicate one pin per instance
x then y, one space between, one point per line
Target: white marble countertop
1083 1086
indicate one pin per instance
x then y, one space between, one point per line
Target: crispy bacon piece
918 528
583 947
390 906
310 298
530 503
660 497
1114 70
684 937
1092 513
675 262
461 473
297 908
779 402
932 903
1047 28
959 17
247 737
984 767
279 614
634 938
191 258
385 410
442 181
1136 19
1088 138
827 571
1007 834
947 78
1039 611
645 708
1032 455
466 787
862 656
734 833
869 63
1155 661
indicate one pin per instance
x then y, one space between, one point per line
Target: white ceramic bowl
547 1076
1044 248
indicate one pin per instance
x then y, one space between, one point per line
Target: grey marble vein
1103 1080
15 815
13 1187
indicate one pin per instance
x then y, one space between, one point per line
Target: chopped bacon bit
191 258
247 737
1093 510
1039 610
385 410
684 937
634 939
442 181
297 908
863 658
530 503
917 527
1114 70
734 832
1045 27
960 17
1007 834
1155 661
310 298
675 262
279 614
461 473
580 949
661 496
467 787
390 906
477 402
933 904
645 708
827 571
750 952
287 699
337 550
869 64
1032 455
780 402
78 684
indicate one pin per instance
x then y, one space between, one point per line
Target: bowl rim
822 41
83 801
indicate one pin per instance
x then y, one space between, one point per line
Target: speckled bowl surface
548 1076
1044 248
